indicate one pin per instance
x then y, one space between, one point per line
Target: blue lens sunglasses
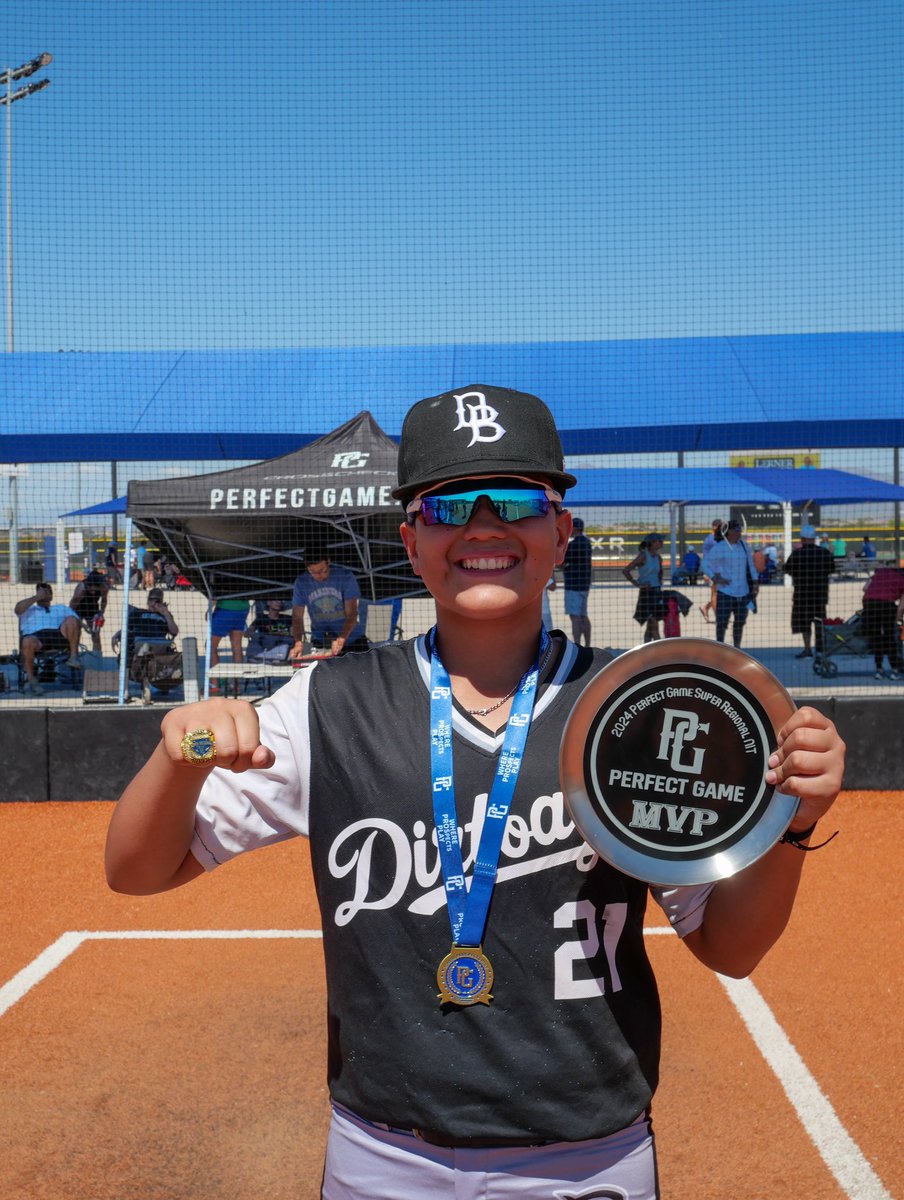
511 503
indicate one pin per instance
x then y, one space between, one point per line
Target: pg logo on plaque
664 760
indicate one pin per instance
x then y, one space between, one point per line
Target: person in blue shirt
330 593
867 550
691 563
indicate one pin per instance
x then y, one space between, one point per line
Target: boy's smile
497 563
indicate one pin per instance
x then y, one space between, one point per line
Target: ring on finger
199 747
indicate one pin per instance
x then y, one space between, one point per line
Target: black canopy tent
249 531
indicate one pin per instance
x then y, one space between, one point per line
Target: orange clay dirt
194 1069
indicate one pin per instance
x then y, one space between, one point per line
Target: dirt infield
188 1062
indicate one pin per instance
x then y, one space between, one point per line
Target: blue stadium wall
61 754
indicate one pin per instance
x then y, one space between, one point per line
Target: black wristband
797 839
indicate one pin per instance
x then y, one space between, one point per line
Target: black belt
451 1142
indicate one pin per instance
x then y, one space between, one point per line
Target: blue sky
267 173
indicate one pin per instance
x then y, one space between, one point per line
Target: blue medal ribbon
468 908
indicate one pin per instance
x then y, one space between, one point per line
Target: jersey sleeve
683 906
240 812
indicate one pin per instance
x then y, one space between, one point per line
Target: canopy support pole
61 574
897 478
786 522
210 604
124 627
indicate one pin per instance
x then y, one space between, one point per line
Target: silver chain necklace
485 712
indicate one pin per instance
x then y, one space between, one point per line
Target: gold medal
465 976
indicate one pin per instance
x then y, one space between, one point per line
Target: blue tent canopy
104 507
630 486
647 396
821 486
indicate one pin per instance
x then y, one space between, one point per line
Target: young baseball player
494 1026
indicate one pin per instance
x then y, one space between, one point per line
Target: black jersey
569 1046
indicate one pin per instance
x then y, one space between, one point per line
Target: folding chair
381 623
51 665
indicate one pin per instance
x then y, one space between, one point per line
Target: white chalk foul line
39 968
838 1149
67 943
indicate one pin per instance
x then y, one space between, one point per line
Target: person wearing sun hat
523 1060
809 567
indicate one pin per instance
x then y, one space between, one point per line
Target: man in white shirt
44 626
729 564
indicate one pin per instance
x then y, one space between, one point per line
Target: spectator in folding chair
165 574
45 628
151 655
270 633
154 624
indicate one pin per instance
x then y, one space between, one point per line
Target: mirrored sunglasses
509 504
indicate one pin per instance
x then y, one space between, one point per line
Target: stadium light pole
10 76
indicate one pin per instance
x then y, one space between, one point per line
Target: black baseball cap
479 430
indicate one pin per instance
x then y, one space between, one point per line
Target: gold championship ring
199 747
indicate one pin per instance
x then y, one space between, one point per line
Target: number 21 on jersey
568 986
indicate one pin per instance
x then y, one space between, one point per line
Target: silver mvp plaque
663 761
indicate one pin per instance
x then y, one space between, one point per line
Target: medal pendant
465 976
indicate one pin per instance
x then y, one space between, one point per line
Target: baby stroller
153 662
840 637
